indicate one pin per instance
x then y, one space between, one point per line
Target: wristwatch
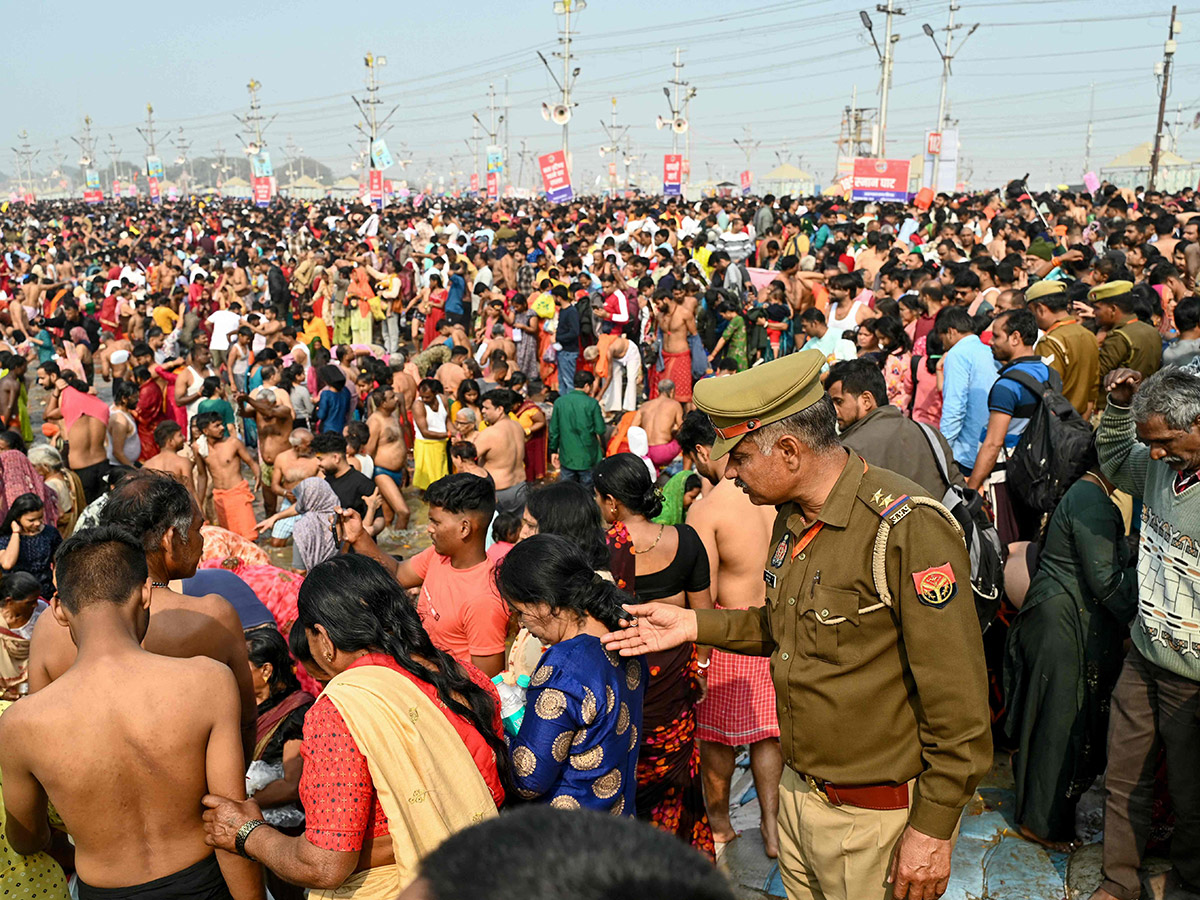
239 842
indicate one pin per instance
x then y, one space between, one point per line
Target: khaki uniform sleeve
944 650
1114 351
1053 354
745 631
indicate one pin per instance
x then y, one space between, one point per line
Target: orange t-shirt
460 608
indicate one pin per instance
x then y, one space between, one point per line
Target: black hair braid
600 598
402 636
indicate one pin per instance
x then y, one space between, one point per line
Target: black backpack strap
939 457
1037 388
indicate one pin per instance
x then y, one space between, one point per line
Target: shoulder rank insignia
781 550
895 509
936 586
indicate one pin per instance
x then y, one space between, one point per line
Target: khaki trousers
829 852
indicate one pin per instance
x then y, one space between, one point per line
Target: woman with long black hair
402 749
671 566
578 744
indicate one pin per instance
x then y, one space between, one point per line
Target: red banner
375 186
116 188
555 179
612 170
687 168
933 143
493 186
474 182
93 196
154 195
746 176
262 191
388 186
880 179
672 174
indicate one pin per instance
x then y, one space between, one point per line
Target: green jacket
576 430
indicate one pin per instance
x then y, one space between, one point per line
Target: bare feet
770 836
1057 846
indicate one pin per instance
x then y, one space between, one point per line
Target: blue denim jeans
566 371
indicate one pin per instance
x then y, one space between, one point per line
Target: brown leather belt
863 796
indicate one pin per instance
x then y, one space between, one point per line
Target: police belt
863 796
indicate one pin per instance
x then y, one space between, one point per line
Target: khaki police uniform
1070 350
1131 344
875 654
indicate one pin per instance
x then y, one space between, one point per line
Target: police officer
875 647
1065 346
1130 342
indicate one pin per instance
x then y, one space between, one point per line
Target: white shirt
223 321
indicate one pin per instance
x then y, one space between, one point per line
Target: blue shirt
333 409
969 371
1012 398
454 297
252 611
582 728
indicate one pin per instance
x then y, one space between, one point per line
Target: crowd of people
862 488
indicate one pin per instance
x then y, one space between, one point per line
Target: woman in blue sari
578 744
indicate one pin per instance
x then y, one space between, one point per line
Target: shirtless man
87 435
10 390
291 467
453 373
387 448
619 386
740 705
233 498
501 449
130 793
661 417
170 439
269 325
676 322
189 383
165 515
274 415
111 369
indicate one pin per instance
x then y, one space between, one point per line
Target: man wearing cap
1130 343
1065 346
876 658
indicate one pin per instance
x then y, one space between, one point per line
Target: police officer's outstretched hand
920 866
652 627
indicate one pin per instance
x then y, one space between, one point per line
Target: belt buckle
815 784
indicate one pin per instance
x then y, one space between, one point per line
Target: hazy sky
775 73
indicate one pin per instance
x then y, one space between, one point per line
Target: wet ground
991 861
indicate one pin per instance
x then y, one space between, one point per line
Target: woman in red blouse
402 748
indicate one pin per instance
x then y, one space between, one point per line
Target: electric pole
564 8
1087 149
114 156
148 134
746 145
1168 54
184 160
947 58
879 143
525 155
676 82
492 133
25 158
87 148
507 179
613 147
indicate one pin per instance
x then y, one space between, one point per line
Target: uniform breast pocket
834 617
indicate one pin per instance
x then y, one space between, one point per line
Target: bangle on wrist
239 842
705 664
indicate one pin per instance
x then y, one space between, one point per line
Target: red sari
434 317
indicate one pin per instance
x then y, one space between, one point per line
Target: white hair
45 456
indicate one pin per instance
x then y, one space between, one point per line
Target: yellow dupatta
427 781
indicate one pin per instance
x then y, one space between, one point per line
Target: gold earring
328 657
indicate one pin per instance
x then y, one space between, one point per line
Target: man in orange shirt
459 604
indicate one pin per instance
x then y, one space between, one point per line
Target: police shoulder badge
781 550
936 586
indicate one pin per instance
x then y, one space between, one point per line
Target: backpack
983 542
1052 452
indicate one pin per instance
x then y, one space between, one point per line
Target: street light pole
947 58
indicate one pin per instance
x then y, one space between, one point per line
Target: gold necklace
661 528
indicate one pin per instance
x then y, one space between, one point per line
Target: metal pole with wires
1168 55
947 58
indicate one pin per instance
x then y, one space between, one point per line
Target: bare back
181 626
502 452
86 439
225 463
125 754
661 417
737 536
